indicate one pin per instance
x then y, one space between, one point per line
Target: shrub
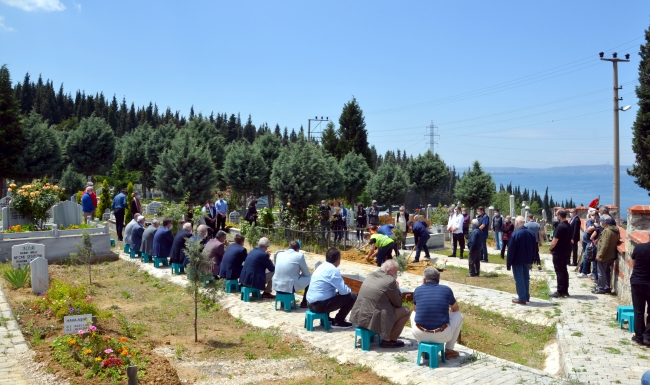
63 299
104 200
128 215
35 200
266 218
17 277
80 195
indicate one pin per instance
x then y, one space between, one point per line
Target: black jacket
362 218
475 242
232 261
177 255
575 228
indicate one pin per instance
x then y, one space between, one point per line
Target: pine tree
128 215
134 153
208 136
355 175
104 199
389 185
334 182
293 137
249 130
475 188
244 168
329 140
285 137
186 167
641 140
352 132
276 131
11 135
160 140
91 147
72 181
269 147
43 154
427 173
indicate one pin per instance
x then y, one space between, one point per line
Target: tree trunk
144 184
196 313
90 275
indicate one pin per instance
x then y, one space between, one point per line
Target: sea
580 183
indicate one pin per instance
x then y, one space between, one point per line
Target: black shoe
556 295
637 340
391 344
415 261
539 267
646 342
597 291
341 324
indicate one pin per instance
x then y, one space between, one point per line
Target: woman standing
362 218
251 213
337 225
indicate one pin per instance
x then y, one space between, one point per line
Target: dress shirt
325 283
222 206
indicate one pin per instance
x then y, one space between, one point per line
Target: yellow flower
13 185
98 359
31 201
37 193
87 351
31 194
72 342
10 190
57 187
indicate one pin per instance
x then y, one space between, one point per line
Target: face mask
570 215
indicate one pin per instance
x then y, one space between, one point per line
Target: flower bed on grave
34 200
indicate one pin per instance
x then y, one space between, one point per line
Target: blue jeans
521 273
498 235
484 252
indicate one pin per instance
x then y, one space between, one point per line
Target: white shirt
456 220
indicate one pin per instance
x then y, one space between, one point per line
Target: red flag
594 203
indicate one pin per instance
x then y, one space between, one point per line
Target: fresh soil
360 257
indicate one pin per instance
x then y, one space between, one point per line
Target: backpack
591 255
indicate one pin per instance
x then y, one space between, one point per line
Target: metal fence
312 241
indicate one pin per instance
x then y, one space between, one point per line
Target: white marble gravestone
66 214
11 217
4 202
22 255
40 275
152 208
234 217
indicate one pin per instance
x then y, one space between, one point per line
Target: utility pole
432 134
617 166
316 120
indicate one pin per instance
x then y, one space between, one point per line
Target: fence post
55 231
132 373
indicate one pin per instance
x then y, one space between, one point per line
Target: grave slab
40 275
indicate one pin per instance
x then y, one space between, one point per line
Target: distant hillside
595 169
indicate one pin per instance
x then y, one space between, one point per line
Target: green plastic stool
146 258
126 247
132 253
286 300
177 268
623 309
430 351
246 292
367 336
629 317
232 286
310 317
157 261
112 242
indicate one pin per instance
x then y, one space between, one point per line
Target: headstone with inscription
40 275
152 208
66 214
11 217
234 217
73 323
22 255
4 202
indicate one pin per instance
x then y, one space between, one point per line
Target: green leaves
17 277
244 168
389 185
355 172
42 156
475 188
91 147
427 173
641 140
11 136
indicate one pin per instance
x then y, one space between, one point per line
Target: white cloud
36 5
3 27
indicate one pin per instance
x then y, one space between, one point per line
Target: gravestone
4 202
234 217
152 208
544 218
23 254
40 275
66 214
11 217
73 323
513 209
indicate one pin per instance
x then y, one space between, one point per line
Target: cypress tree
330 141
389 185
206 134
43 154
355 173
475 188
352 131
104 199
134 153
91 147
269 147
72 181
427 173
244 168
158 142
641 128
11 135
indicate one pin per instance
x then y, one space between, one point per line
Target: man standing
222 212
324 213
484 225
148 236
93 196
521 251
344 218
118 206
421 233
87 205
640 282
402 219
373 214
575 235
537 230
210 216
291 272
254 273
475 245
135 203
508 228
607 253
561 250
497 227
466 221
455 227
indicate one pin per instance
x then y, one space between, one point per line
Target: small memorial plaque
22 255
73 323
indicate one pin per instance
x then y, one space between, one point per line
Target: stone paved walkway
11 342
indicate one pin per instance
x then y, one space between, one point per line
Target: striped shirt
432 302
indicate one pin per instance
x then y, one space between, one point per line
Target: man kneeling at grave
258 269
436 317
379 305
291 272
381 247
328 292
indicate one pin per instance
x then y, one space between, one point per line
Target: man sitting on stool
379 305
254 272
233 259
328 292
431 320
291 272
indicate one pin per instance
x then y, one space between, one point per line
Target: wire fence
314 241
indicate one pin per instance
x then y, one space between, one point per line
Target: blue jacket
162 242
177 255
420 230
475 242
254 272
136 237
386 230
522 247
232 261
87 203
119 202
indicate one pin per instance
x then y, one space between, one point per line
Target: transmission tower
432 137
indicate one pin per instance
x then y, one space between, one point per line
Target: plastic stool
431 350
132 253
126 247
285 300
232 286
629 317
112 242
246 292
146 257
623 309
178 268
367 336
157 261
310 316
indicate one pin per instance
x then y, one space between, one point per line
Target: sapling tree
86 253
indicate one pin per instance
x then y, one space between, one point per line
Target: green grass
493 258
502 282
612 350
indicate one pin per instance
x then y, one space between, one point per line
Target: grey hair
431 274
187 226
155 222
520 219
221 234
139 218
264 242
202 229
475 222
388 266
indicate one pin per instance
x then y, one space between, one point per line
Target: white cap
140 217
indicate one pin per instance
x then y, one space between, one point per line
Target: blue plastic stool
112 242
178 268
132 253
310 316
367 336
232 286
157 261
629 317
431 350
146 257
246 292
285 300
126 247
623 309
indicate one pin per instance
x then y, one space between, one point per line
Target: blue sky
510 83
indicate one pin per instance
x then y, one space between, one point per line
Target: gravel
34 372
